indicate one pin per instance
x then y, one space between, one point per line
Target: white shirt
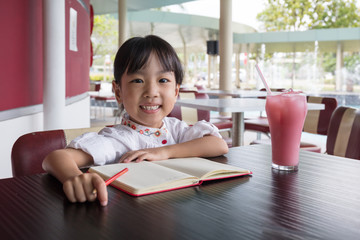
111 143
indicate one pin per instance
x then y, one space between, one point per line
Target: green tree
289 15
104 37
295 15
337 14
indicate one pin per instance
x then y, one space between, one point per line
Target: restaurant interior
54 88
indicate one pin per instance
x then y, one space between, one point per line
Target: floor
109 119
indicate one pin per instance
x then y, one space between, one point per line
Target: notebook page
142 175
199 167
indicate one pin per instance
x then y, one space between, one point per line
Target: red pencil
113 178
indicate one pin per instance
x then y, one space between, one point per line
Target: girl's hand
81 188
150 154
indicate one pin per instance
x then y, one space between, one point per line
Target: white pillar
209 70
215 71
237 70
54 64
225 44
122 10
339 65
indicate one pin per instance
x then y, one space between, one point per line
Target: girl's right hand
81 188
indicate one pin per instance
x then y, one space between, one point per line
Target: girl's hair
135 52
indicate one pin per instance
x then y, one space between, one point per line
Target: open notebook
158 176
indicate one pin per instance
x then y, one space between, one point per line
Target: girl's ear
116 89
177 89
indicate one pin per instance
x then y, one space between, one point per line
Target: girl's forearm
207 146
64 164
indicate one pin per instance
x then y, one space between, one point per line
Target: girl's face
148 95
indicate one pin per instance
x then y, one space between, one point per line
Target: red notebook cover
172 189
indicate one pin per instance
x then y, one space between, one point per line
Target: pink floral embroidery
146 131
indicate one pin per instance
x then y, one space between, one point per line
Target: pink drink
286 114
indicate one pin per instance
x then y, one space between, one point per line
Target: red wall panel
21 56
21 52
78 63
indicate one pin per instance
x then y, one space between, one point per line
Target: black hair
135 52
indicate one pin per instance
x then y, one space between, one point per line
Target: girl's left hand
149 154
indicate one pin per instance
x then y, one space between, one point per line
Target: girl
148 75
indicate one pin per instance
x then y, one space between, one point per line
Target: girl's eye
163 80
137 81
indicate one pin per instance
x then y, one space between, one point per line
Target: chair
95 87
94 91
104 101
30 149
192 115
343 135
316 122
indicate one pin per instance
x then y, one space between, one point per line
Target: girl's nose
151 90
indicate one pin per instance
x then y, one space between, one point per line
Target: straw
263 79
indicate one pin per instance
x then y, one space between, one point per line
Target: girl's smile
150 107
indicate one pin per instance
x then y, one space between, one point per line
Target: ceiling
192 32
178 29
111 6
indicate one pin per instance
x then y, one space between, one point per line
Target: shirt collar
143 130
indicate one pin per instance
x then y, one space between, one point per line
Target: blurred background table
234 93
237 106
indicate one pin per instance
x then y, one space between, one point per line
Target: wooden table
237 106
320 201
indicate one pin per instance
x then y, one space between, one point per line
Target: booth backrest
344 133
30 149
190 115
317 121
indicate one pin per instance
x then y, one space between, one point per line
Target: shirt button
164 142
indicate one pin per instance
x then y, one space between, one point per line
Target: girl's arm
64 164
207 146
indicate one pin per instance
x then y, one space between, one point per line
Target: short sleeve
198 130
105 147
